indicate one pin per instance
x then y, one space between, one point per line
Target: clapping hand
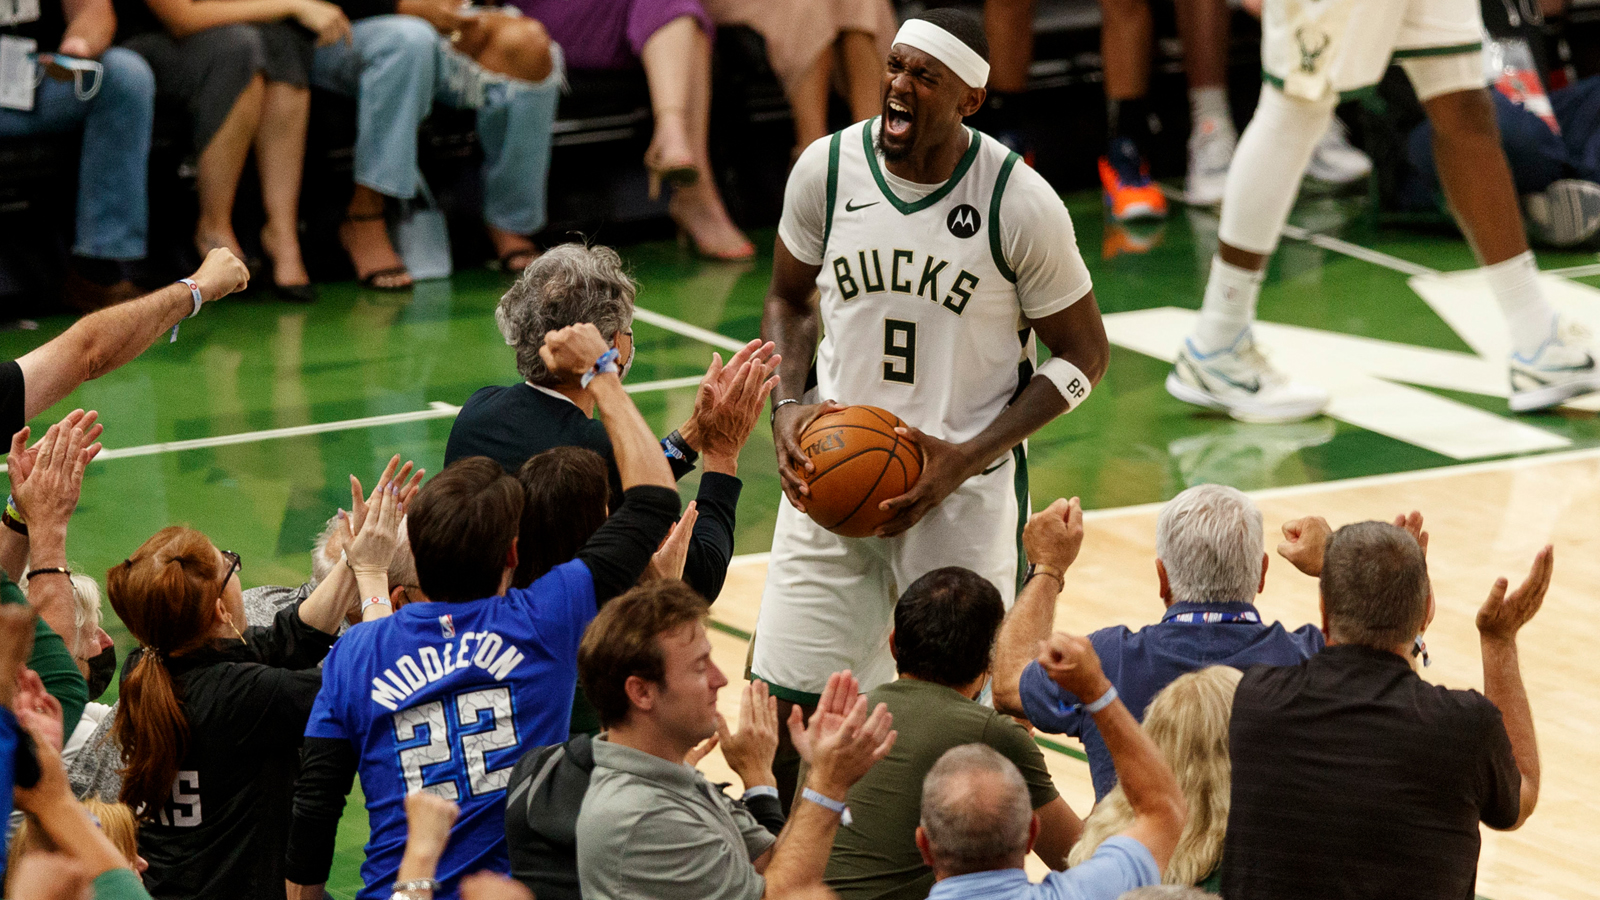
668 560
36 710
1304 543
408 490
843 741
1503 615
1412 524
47 491
750 750
729 404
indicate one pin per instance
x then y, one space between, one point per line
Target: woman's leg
280 158
863 73
220 164
808 101
673 58
677 64
518 47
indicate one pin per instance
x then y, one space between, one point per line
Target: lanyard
1196 618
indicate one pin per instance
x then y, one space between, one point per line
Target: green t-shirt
119 884
54 663
876 857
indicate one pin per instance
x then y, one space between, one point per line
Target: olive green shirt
876 856
53 661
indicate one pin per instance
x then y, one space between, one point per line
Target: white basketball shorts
829 600
1312 48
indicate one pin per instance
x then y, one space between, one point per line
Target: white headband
946 48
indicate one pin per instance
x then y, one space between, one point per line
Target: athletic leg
1218 366
1125 47
1203 28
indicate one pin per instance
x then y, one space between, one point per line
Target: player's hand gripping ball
859 463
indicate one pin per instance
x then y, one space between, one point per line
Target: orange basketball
860 462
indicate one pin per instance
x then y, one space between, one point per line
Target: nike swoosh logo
849 208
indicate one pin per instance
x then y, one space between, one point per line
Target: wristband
780 405
1070 382
376 601
194 293
1045 569
827 802
12 517
677 448
49 570
760 790
1106 699
403 889
606 363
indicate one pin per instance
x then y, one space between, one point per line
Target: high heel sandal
370 280
682 174
294 293
687 241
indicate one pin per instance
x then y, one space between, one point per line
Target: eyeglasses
235 564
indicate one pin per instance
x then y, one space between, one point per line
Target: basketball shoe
1239 381
1129 192
1211 146
1562 368
1335 160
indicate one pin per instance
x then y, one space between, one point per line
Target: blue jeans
397 67
113 211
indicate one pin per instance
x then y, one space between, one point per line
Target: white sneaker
1335 160
1240 382
1211 147
1565 214
1562 369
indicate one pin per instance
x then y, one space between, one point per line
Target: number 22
470 709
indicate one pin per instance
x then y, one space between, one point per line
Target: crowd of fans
513 657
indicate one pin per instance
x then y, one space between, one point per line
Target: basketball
860 462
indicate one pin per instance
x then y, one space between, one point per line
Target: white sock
1529 318
1209 103
1229 306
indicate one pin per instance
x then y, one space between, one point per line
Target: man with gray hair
977 827
576 283
1210 563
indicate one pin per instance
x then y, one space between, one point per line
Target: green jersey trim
996 248
1019 484
1451 50
833 188
943 190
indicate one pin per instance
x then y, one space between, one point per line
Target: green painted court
248 427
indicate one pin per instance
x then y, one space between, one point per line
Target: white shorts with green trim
1312 49
829 600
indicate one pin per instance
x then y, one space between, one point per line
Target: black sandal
370 280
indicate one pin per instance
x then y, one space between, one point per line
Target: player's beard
896 154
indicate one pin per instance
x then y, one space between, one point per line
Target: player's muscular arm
791 322
1075 334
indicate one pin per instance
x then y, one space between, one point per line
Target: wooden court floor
1486 521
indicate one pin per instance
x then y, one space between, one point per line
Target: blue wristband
827 802
606 363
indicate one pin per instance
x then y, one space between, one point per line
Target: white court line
1320 487
1582 271
684 328
436 410
1356 251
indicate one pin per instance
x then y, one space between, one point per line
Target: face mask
102 669
83 70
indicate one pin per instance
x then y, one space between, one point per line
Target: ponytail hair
164 593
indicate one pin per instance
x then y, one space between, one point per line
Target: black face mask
102 668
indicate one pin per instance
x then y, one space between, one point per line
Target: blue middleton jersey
444 697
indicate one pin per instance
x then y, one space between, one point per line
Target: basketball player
936 255
1314 51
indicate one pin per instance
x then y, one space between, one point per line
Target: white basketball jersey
919 309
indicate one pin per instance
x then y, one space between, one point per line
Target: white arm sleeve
1040 246
805 204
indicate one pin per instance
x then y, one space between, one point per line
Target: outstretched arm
1501 617
103 341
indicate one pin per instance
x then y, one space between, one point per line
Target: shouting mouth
897 119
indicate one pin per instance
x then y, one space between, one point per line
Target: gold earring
235 627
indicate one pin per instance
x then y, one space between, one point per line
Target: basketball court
248 426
